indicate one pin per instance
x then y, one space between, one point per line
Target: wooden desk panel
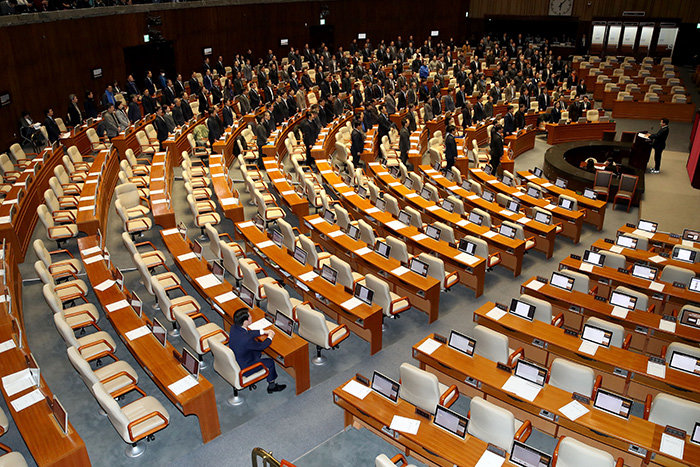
654 110
122 141
635 256
229 198
522 141
325 143
557 133
77 137
661 239
297 203
96 195
161 182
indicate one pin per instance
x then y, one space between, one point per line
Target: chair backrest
592 115
581 281
82 367
574 202
485 215
419 387
642 299
671 410
310 248
250 279
128 195
543 309
628 183
447 233
277 300
74 154
115 414
392 205
366 233
143 271
65 330
45 216
41 252
603 178
230 260
618 332
502 199
43 272
214 240
696 250
572 377
613 260
373 191
18 153
398 249
312 326
491 423
436 268
52 299
6 164
574 453
60 172
188 330
344 272
381 296
434 196
416 218
288 237
457 204
225 362
491 344
342 218
417 182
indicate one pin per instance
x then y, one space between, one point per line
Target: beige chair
484 215
139 166
573 377
482 251
227 367
91 347
618 338
117 378
203 215
458 204
696 250
520 234
76 316
58 233
151 258
168 279
69 186
573 453
392 205
391 303
289 238
199 338
231 262
139 419
23 159
543 310
664 409
592 115
436 269
61 268
67 290
494 346
253 282
269 213
315 328
184 303
215 241
367 234
78 160
642 303
131 210
142 181
346 276
8 169
11 458
278 299
397 461
493 424
59 215
74 173
96 143
147 148
314 258
423 389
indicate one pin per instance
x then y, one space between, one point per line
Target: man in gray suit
448 103
110 122
427 112
390 102
244 104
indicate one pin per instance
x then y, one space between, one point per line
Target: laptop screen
382 248
623 300
475 218
467 246
363 293
683 254
647 226
330 274
300 254
627 242
353 231
644 272
385 386
595 334
197 248
522 309
588 193
284 323
246 295
190 362
488 169
525 456
432 232
534 192
531 372
405 218
684 362
408 183
59 412
537 172
561 183
507 230
329 216
259 222
419 267
448 206
594 258
562 281
695 437
566 204
488 196
692 235
381 204
159 332
461 343
466 185
394 171
450 421
277 237
362 191
513 206
425 194
612 403
543 217
694 284
507 180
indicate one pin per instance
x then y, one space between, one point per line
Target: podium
640 152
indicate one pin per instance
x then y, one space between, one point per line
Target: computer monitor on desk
159 332
593 258
475 218
644 272
381 204
692 235
382 248
562 281
329 274
284 323
506 231
467 247
694 285
299 254
647 226
543 217
537 172
190 362
596 335
386 387
461 343
623 300
530 372
433 232
247 296
695 435
488 196
513 206
534 192
612 403
450 421
522 309
566 203
526 456
626 242
404 218
353 231
590 194
364 294
684 362
447 205
561 183
684 254
419 267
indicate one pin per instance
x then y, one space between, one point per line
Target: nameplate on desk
10 201
394 184
586 267
496 313
489 234
324 172
535 285
523 220
182 385
655 368
362 251
159 201
467 258
372 210
493 182
411 195
462 222
339 185
400 271
208 281
93 259
138 332
245 225
187 256
574 410
92 180
432 207
419 237
287 193
666 325
619 312
225 297
228 201
87 198
7 345
117 305
104 285
588 347
316 220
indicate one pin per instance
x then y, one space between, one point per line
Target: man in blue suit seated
247 347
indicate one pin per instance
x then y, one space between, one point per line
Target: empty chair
696 250
96 143
457 204
141 181
289 238
642 302
227 367
69 186
198 338
231 262
342 218
58 233
61 268
78 316
278 299
346 276
139 166
573 453
202 218
559 227
494 346
618 338
423 389
520 234
581 281
392 205
12 458
626 189
147 148
67 290
168 306
482 251
434 196
315 328
255 284
602 182
366 233
168 279
415 218
59 215
436 270
391 303
417 182
397 461
91 346
543 310
398 249
503 199
613 260
136 420
8 169
117 378
573 377
664 409
313 257
151 258
486 222
493 424
269 213
447 233
215 241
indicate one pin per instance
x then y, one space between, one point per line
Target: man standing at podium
658 142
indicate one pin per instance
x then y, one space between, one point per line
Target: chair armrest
146 243
397 458
92 344
190 301
524 431
294 310
117 375
558 320
62 212
559 225
249 368
450 396
596 385
515 355
227 235
651 308
211 334
66 286
59 237
593 291
496 255
647 406
54 252
5 448
584 211
140 220
620 462
333 342
178 287
627 341
74 296
155 413
447 276
199 315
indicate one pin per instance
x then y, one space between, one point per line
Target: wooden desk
654 110
478 376
77 137
544 235
623 371
572 221
471 269
557 133
364 320
430 444
225 146
96 195
644 256
325 143
297 203
275 146
122 141
659 239
511 250
595 208
423 292
292 353
522 141
160 363
160 186
667 300
477 132
229 198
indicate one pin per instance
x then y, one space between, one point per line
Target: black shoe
274 387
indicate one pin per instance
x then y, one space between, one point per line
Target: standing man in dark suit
169 93
520 118
194 84
134 111
178 115
228 113
509 122
496 148
309 135
51 126
179 86
148 102
404 141
214 125
161 127
544 101
384 123
148 83
450 147
247 347
357 142
658 142
75 116
187 112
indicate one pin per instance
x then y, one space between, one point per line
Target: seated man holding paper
247 347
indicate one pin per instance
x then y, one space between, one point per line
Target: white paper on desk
643 233
411 195
117 305
462 222
687 243
419 237
259 325
616 249
336 233
523 220
356 389
395 225
535 285
549 206
138 332
4 219
586 267
656 286
429 346
490 459
91 251
339 185
104 285
245 225
182 385
187 256
405 425
228 201
159 201
493 182
400 271
208 281
588 347
157 192
505 212
87 198
308 276
85 208
91 181
472 197
18 382
519 194
316 220
656 369
265 244
27 400
522 388
381 174
672 446
394 183
92 259
574 410
657 259
432 207
324 172
279 180
7 345
496 313
490 234
372 210
225 297
169 231
668 326
352 303
453 188
362 251
467 258
619 312
287 193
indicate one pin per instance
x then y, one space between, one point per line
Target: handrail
266 457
